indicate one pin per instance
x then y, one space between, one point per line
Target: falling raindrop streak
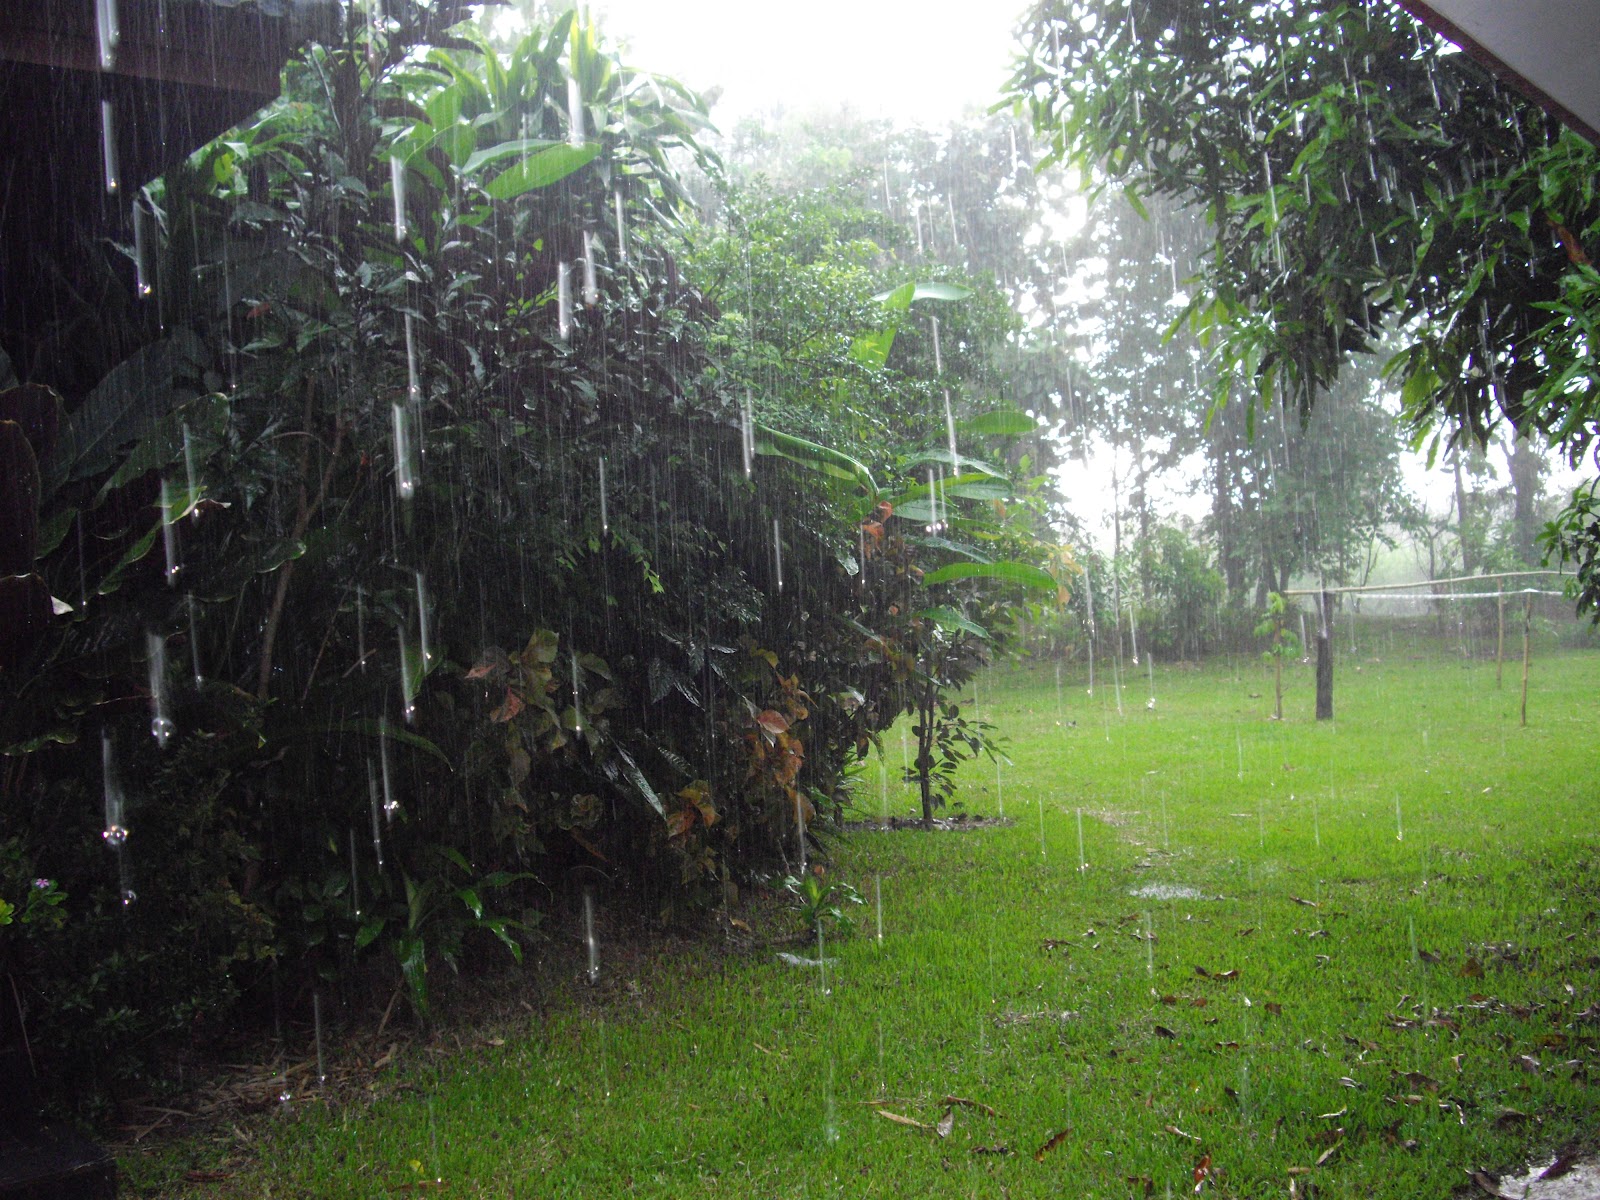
622 227
877 899
355 878
747 435
1041 828
591 283
169 533
408 679
1399 827
397 185
109 146
361 627
115 833
777 553
316 1021
574 111
564 301
194 642
160 724
108 32
390 804
422 621
405 483
372 801
591 944
605 518
938 359
141 251
1083 864
577 705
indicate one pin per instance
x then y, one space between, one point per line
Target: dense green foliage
1362 179
429 531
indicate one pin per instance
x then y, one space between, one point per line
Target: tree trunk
1464 531
1526 468
1325 657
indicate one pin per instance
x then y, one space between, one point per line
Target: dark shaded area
183 71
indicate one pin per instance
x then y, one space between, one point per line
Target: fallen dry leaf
1273 1007
1564 1163
1176 1132
1333 1116
899 1120
1202 1172
1471 969
998 1148
965 1103
1163 1031
946 1123
1055 1140
1329 1152
1307 903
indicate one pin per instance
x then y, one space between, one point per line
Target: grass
1407 896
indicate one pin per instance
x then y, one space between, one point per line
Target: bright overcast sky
915 61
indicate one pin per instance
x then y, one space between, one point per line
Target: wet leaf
1488 1184
1054 1141
1164 1032
965 1103
1471 969
1202 1172
999 1148
910 1122
1273 1007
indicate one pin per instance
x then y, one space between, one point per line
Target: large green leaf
136 394
506 150
1000 422
809 454
541 170
1009 572
948 618
903 297
960 462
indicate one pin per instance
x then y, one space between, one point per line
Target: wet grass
1372 976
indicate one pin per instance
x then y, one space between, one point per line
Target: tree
1360 177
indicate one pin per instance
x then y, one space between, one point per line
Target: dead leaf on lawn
946 1122
1202 1172
1163 1031
911 1122
1333 1116
1273 1007
1329 1152
1471 969
1176 1132
965 1103
1143 1184
999 1148
1307 903
1227 976
1564 1163
1055 1140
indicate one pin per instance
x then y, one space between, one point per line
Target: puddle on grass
1170 891
1579 1181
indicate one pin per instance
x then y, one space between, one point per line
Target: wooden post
1325 656
1527 623
1500 638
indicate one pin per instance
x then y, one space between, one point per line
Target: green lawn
1375 973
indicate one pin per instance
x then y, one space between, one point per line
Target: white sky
916 61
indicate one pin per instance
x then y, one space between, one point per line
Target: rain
496 481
